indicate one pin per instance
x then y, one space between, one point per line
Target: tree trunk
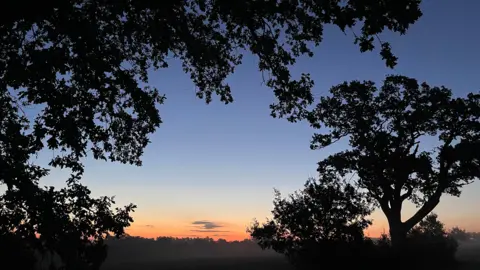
398 235
398 230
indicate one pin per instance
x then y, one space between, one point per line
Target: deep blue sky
220 162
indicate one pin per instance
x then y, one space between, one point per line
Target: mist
134 249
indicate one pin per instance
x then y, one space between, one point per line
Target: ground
209 264
468 254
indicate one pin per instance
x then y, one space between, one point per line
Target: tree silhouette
82 64
386 129
459 234
430 226
431 243
67 221
323 221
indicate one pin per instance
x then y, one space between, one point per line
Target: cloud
148 226
206 225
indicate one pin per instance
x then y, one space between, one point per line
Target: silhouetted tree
321 223
386 129
428 245
459 234
430 226
14 252
81 64
430 242
67 221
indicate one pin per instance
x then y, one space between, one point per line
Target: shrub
430 242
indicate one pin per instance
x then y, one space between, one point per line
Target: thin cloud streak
206 225
209 231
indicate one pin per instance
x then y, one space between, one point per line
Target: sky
211 169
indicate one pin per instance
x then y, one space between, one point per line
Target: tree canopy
82 65
389 131
68 221
84 62
460 234
327 217
430 241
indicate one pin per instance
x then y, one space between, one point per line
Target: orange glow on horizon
235 232
234 236
229 234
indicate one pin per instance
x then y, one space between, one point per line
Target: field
208 264
468 254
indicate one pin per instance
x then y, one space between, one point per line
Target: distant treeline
462 235
135 248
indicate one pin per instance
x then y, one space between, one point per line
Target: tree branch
384 205
425 209
415 151
407 194
433 201
403 173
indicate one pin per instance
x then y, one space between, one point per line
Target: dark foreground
207 264
233 264
468 255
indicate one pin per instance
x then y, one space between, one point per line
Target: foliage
326 217
387 129
430 241
14 253
428 245
68 221
88 56
81 64
459 234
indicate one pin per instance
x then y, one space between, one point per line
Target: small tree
323 221
429 227
386 129
67 221
430 242
459 234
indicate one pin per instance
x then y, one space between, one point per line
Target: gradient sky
213 167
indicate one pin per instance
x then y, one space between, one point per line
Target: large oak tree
389 131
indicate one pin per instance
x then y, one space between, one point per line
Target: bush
14 253
459 234
430 242
340 254
428 245
319 225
